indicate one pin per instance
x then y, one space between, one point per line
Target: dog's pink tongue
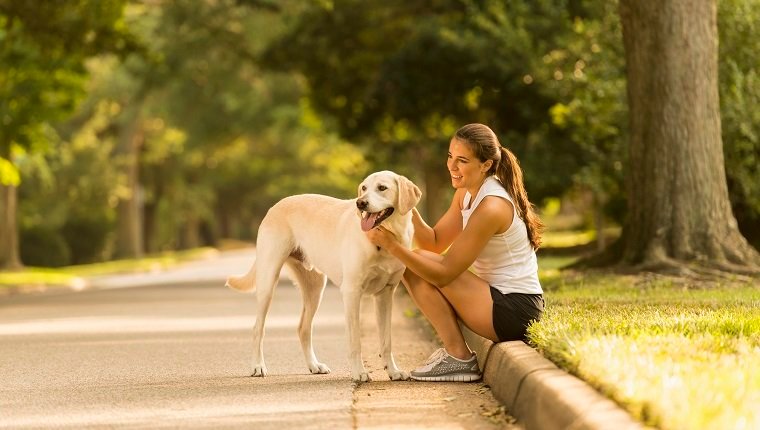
369 221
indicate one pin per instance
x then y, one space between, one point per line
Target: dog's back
308 228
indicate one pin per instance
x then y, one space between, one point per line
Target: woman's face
465 168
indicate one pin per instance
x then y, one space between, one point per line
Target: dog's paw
398 375
319 368
361 377
259 371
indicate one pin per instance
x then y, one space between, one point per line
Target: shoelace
436 356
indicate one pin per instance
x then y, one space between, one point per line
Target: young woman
491 227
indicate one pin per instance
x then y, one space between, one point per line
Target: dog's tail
245 283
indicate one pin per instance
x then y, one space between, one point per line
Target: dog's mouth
371 220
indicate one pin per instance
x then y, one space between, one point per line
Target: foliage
586 74
43 46
216 127
56 196
86 236
214 130
9 174
547 76
227 95
739 21
45 247
405 75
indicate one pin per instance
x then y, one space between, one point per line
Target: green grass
570 238
71 275
563 239
677 356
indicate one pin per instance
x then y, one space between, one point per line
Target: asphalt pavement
172 349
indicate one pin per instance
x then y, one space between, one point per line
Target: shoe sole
458 377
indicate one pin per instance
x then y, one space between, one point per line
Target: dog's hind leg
383 313
312 284
271 253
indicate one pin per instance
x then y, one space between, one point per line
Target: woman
490 226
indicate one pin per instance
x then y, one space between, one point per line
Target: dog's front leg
352 304
384 312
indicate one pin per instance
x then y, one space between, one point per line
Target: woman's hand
382 237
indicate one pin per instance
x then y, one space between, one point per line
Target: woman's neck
474 190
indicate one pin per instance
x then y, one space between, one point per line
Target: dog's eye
364 188
381 188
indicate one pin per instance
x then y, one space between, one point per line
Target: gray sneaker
440 366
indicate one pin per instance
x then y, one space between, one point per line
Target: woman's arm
438 238
489 217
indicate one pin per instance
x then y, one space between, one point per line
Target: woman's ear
486 166
408 194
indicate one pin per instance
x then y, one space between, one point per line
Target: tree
400 77
66 217
680 217
195 77
43 46
201 129
592 109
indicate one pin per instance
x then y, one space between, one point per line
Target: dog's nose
362 204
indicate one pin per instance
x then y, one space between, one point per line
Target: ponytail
484 143
510 174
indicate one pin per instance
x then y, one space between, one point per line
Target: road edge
541 395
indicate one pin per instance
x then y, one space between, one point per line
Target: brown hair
484 143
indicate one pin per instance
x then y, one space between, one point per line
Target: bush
86 237
43 246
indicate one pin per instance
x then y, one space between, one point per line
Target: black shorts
513 312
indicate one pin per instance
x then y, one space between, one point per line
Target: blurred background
134 127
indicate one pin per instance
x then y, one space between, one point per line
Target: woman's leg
467 298
439 312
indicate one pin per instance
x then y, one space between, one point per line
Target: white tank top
508 261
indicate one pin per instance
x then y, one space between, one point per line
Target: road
172 350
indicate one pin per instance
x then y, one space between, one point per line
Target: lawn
676 354
72 275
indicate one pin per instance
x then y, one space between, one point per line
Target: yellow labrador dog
319 237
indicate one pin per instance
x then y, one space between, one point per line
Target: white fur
319 237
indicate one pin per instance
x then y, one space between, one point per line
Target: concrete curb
541 395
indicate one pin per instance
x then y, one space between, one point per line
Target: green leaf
9 175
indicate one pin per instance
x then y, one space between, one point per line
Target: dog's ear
408 194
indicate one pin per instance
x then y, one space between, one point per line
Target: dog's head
383 194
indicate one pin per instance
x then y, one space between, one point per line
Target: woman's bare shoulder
495 210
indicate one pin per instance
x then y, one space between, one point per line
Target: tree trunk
599 224
150 208
9 245
191 237
436 203
129 242
679 212
225 222
149 227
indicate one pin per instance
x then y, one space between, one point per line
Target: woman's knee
414 284
410 280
